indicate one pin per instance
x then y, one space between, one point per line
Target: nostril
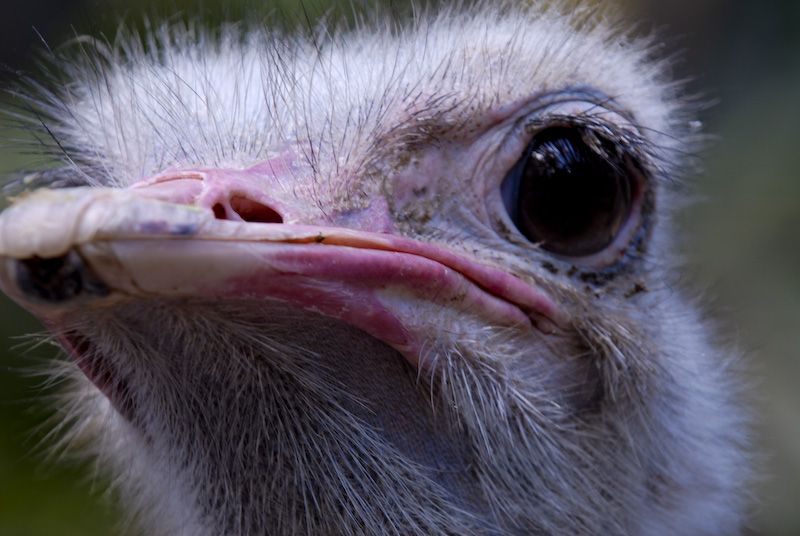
245 209
253 211
219 212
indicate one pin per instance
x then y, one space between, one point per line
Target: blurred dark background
743 245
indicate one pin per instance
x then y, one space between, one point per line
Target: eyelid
607 122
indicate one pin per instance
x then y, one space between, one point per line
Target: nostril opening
253 211
219 212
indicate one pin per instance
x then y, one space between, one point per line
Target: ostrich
388 280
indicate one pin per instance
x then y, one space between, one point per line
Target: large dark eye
571 192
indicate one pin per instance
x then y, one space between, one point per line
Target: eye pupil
574 191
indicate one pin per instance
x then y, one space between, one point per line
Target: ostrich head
384 281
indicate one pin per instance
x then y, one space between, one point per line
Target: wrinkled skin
297 299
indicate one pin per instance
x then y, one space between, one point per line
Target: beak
177 236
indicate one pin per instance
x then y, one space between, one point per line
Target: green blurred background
744 244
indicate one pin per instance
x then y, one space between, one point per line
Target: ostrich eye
571 192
